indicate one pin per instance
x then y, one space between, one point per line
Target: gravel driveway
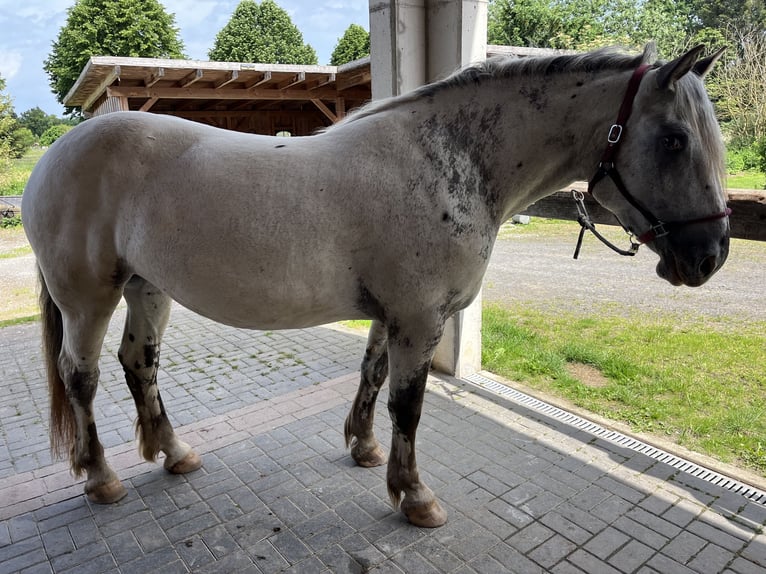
539 270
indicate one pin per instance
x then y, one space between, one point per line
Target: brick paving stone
742 566
590 563
631 556
530 537
278 491
684 546
712 558
666 565
552 551
606 543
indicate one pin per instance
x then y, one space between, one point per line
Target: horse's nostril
708 265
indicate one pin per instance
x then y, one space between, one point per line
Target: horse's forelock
692 105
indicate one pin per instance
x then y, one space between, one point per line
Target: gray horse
390 215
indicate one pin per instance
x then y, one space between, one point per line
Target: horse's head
665 172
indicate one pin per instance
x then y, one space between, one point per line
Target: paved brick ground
278 491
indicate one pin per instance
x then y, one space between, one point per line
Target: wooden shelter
255 98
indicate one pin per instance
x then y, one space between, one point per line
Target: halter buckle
615 133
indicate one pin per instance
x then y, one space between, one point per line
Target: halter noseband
606 168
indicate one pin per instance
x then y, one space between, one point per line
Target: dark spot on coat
406 404
445 216
131 337
279 146
151 356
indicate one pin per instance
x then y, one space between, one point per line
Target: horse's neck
533 135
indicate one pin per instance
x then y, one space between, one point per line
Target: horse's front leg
410 360
365 448
139 354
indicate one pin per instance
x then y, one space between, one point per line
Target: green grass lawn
704 389
13 180
746 180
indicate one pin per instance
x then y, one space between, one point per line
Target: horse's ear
650 53
702 67
671 72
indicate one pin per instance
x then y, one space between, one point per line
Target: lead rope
586 224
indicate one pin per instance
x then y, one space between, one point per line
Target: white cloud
10 62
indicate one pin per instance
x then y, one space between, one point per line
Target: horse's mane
612 58
509 66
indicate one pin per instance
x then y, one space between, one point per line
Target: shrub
8 222
744 157
760 147
53 133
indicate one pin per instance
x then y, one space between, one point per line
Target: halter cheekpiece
607 168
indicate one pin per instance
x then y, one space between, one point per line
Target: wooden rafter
148 104
194 76
355 79
320 82
228 79
103 86
265 77
325 110
154 77
298 78
231 93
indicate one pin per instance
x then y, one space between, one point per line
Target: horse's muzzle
692 263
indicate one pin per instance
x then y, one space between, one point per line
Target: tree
261 33
14 138
137 28
7 125
37 121
587 24
354 44
53 133
738 86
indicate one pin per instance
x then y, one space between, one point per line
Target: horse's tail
62 423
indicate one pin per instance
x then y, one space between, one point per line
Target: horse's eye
674 142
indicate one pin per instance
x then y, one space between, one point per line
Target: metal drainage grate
752 494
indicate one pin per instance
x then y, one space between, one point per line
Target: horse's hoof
425 515
369 458
106 493
192 461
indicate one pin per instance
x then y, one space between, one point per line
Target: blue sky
29 27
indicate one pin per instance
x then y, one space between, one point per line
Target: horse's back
227 224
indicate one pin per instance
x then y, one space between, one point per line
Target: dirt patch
588 375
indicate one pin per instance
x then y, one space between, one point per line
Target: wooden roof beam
298 78
154 77
265 77
148 104
103 86
195 76
320 82
196 93
355 79
228 79
325 110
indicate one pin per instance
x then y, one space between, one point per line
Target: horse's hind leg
139 354
72 418
365 448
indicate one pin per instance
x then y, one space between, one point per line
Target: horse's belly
274 305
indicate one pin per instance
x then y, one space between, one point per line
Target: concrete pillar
413 42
